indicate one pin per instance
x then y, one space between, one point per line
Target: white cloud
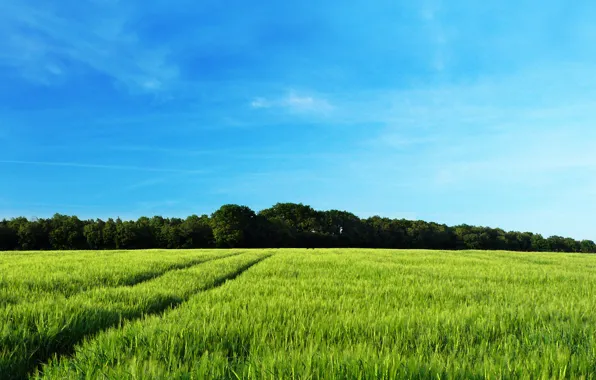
152 84
294 100
428 10
302 103
402 140
101 166
260 103
296 103
40 39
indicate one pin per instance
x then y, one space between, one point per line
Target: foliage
282 225
233 226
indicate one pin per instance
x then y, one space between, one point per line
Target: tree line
285 225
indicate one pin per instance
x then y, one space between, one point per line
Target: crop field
297 314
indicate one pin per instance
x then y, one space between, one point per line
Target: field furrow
31 333
347 314
32 277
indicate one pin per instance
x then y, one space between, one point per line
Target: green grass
29 276
31 332
327 314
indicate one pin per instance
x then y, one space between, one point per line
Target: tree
297 216
109 234
380 232
460 232
125 234
282 225
9 238
525 241
539 243
233 226
587 246
157 223
170 235
196 232
67 232
346 229
146 235
33 235
93 232
556 244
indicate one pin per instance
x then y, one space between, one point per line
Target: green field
304 314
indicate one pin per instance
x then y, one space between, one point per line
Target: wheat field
297 314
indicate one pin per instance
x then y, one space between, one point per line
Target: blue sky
450 111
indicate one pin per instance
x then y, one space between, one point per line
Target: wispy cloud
228 153
492 131
261 103
172 151
538 159
44 41
137 187
296 103
103 167
52 206
437 37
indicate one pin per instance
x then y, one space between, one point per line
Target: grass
333 314
29 276
32 332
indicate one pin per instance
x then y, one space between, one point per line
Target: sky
448 111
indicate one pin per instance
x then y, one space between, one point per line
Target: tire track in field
232 276
174 267
7 300
128 282
64 343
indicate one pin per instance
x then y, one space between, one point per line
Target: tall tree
296 215
145 233
9 238
196 232
93 232
587 246
34 234
346 228
282 225
109 234
233 226
67 232
125 234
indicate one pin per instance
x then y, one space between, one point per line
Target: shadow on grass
137 279
28 355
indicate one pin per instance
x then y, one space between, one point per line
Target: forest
284 225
